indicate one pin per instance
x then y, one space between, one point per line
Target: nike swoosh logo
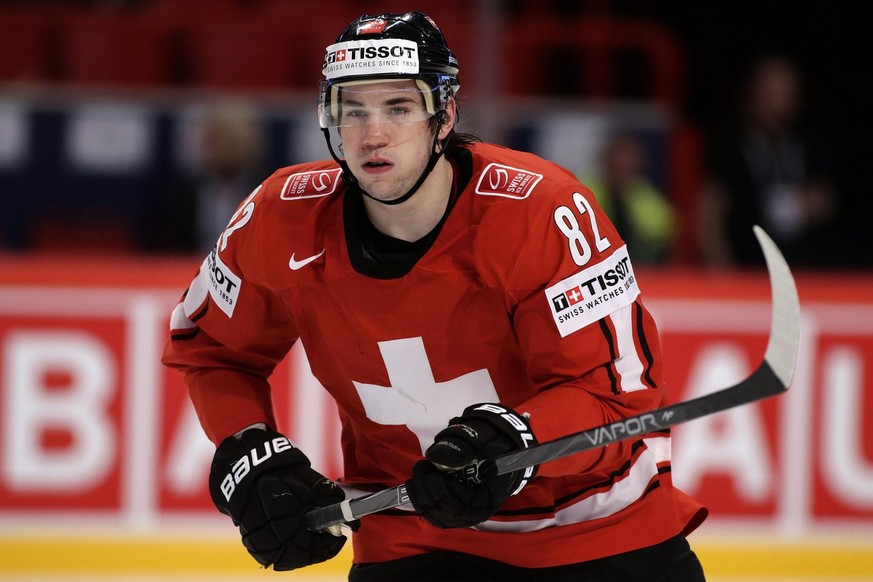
294 264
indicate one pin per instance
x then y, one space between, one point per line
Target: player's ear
447 118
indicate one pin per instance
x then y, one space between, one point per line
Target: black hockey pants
669 561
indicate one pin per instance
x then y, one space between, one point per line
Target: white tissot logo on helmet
371 57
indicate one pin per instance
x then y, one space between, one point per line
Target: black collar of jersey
380 256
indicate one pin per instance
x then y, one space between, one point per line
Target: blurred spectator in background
188 213
638 208
767 168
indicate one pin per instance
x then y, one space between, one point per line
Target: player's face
386 136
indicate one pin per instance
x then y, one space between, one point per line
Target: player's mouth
377 166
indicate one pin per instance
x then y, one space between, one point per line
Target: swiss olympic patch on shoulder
506 181
310 184
589 295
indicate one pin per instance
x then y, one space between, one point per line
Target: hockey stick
772 377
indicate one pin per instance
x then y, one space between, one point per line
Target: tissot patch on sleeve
223 284
594 293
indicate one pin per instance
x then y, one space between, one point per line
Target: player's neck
416 217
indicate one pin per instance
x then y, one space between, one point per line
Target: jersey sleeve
591 345
230 329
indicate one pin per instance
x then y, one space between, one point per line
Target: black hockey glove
458 485
266 485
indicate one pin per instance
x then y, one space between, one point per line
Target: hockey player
458 300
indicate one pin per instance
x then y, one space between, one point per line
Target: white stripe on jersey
194 299
621 495
627 364
178 320
660 447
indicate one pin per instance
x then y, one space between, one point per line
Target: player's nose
375 134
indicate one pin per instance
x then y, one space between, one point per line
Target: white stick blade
782 348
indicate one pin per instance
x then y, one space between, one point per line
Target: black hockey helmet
389 46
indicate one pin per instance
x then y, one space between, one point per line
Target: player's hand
457 485
266 485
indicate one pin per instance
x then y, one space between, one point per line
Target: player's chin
380 190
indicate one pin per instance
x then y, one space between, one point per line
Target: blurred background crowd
136 126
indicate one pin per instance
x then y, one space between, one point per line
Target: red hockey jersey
525 295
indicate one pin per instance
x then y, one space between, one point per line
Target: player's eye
355 116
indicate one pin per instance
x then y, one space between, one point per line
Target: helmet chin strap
352 182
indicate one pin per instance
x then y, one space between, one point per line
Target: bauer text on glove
266 485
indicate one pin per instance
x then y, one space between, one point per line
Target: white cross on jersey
414 398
